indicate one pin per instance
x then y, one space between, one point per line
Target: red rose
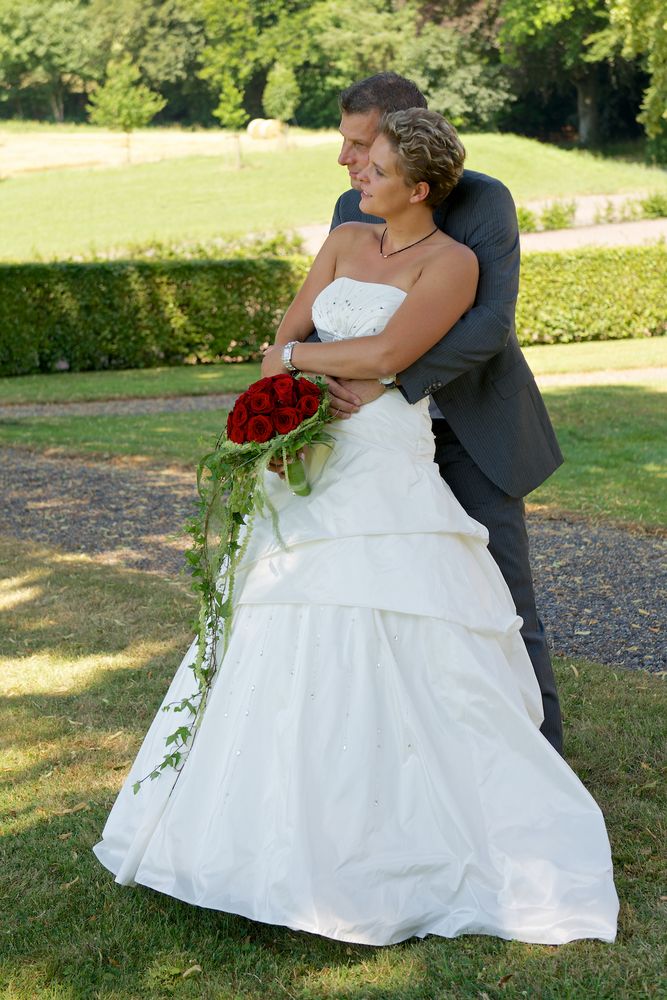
259 402
308 388
259 428
307 407
261 384
286 419
236 422
284 388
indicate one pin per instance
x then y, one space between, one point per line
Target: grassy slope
64 212
89 651
196 380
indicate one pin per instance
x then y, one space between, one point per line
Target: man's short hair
384 92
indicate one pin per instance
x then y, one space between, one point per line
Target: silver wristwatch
287 357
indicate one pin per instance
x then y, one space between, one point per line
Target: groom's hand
349 395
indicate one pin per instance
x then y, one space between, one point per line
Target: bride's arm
297 323
434 302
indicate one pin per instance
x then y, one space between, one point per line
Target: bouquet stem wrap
272 421
296 477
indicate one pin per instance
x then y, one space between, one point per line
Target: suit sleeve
337 217
484 330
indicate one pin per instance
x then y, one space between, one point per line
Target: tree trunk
57 102
587 109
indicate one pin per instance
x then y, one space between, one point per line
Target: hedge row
593 294
140 314
126 314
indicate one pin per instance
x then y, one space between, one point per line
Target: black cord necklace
387 255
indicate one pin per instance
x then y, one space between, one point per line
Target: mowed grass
613 438
196 380
88 652
186 380
56 214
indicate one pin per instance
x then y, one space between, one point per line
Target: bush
654 206
126 314
138 314
593 294
558 215
527 220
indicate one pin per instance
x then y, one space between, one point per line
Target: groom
494 439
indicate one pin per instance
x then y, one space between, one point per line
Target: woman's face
384 190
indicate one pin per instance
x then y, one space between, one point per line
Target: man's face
358 132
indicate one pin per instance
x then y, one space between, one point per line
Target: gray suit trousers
503 516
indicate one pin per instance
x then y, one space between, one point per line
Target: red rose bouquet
270 410
274 419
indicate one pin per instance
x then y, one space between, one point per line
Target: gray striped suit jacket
477 373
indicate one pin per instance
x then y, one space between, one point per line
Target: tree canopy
525 65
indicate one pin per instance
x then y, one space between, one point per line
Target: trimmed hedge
595 294
137 314
140 314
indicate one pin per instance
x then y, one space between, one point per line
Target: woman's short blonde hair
428 149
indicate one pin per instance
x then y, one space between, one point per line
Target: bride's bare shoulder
352 232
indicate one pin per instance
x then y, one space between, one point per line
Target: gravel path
600 589
611 234
217 401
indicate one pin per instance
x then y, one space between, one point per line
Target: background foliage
539 67
139 314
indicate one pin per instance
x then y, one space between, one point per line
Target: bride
369 766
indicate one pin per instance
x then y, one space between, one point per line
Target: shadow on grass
93 650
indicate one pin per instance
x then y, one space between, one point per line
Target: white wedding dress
369 766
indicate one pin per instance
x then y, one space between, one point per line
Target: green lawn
65 212
201 379
613 438
88 651
615 447
195 380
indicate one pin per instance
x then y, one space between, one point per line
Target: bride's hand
272 362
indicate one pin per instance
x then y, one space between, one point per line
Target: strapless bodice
352 308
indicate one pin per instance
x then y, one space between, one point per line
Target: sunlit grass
93 650
61 213
614 442
187 380
613 438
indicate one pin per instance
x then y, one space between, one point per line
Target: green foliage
558 215
46 47
127 314
527 220
596 294
281 94
140 314
123 102
654 206
230 112
455 77
641 26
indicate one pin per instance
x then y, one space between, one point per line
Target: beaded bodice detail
352 308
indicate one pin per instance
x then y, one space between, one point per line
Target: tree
165 39
123 102
281 94
641 28
45 48
553 34
455 77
